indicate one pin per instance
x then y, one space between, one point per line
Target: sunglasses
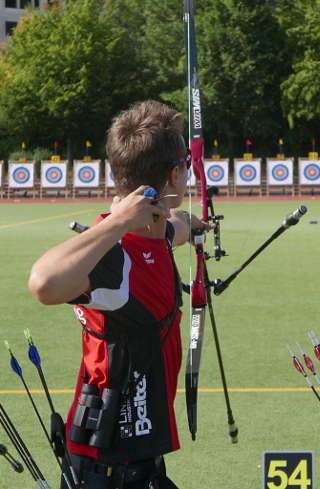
187 159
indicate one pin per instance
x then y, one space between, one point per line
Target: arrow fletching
298 365
309 364
33 353
296 362
315 343
34 356
307 360
14 364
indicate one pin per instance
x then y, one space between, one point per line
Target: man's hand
182 223
136 211
196 223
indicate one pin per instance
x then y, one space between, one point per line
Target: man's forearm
181 223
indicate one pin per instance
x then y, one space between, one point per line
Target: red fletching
298 365
309 363
248 142
316 350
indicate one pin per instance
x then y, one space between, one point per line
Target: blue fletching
150 192
34 356
15 366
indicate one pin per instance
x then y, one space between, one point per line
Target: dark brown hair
143 144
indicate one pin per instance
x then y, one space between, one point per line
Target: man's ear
173 177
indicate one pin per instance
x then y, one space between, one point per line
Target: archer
125 289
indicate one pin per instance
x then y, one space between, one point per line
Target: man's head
144 144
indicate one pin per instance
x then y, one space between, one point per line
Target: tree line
68 70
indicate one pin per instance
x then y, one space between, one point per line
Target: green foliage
39 154
301 89
241 71
68 70
18 154
56 75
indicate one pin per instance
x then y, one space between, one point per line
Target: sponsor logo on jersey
148 258
80 315
143 425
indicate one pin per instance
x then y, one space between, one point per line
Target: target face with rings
280 172
215 173
86 174
311 172
248 173
21 175
54 174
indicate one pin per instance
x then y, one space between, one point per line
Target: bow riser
198 291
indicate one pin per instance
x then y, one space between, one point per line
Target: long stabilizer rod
291 220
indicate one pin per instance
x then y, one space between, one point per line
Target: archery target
309 172
247 173
53 175
110 183
86 174
21 175
217 173
280 173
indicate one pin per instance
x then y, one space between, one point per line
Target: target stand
86 179
280 179
247 177
217 175
54 179
309 176
20 180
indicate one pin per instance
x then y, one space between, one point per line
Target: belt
132 472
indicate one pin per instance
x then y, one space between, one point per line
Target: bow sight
215 220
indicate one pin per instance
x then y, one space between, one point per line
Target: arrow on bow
201 287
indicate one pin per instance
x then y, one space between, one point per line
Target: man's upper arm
108 282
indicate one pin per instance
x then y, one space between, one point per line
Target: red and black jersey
133 298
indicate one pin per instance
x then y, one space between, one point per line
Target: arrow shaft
19 445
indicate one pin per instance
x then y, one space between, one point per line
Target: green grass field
275 301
